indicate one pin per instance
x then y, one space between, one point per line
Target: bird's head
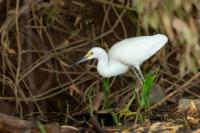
91 54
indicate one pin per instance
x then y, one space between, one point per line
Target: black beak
79 61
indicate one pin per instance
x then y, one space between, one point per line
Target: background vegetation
41 38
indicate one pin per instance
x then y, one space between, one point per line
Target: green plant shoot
41 127
106 90
144 94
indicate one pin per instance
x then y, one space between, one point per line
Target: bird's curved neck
103 60
108 67
104 67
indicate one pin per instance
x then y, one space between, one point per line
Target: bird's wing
137 49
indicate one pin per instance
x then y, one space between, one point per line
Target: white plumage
128 53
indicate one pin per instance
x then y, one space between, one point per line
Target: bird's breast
113 69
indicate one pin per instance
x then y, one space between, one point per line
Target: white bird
128 53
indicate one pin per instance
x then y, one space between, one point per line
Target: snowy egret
128 53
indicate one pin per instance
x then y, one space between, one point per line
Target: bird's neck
109 68
103 62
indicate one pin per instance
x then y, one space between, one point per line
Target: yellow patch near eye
89 54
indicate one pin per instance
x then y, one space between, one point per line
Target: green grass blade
41 127
106 90
144 95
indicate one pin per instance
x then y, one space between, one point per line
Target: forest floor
41 93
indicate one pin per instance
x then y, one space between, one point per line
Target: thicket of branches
40 39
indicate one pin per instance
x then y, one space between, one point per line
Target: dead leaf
11 51
189 107
168 27
74 90
97 101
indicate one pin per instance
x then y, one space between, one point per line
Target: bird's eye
91 53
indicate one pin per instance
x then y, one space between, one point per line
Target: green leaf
41 127
144 101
